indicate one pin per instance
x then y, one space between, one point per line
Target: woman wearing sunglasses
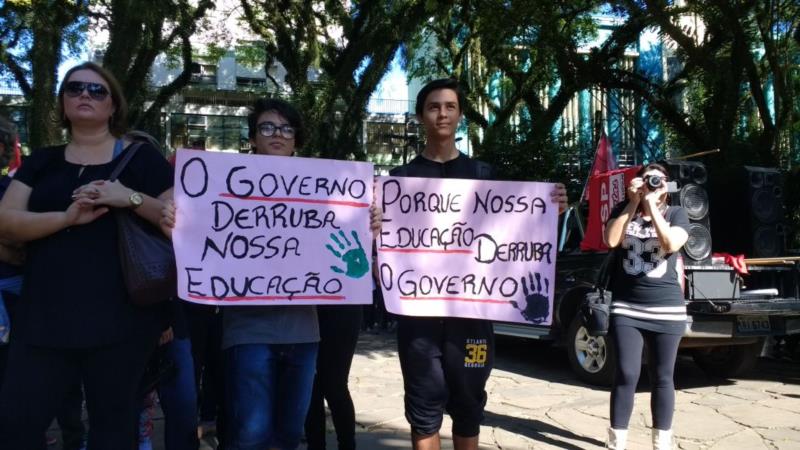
75 323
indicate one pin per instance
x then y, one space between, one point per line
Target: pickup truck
730 315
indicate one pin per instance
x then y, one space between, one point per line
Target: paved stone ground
535 402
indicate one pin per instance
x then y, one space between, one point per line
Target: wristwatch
136 199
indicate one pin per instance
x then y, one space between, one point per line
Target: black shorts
445 364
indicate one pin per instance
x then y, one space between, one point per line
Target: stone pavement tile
782 438
745 439
747 391
786 389
786 445
787 404
535 432
579 423
526 398
599 409
509 440
689 445
380 416
701 423
713 400
760 416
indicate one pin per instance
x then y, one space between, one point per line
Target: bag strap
604 274
125 159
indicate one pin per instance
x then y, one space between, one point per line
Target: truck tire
593 359
728 361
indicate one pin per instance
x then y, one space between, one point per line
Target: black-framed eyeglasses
96 90
268 129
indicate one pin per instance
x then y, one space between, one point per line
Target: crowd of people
261 374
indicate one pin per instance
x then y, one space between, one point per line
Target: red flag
605 191
16 160
604 159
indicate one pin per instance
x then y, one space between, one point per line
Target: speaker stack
749 200
692 178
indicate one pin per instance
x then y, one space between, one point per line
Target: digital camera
654 182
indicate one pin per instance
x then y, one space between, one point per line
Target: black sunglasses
97 91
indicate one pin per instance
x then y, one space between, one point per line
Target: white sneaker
617 439
662 439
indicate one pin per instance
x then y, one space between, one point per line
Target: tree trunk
44 126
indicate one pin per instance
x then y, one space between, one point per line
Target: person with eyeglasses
270 352
75 323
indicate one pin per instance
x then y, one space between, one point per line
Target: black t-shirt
73 293
645 281
460 167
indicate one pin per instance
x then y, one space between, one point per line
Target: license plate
753 324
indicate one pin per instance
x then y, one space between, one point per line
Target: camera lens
653 182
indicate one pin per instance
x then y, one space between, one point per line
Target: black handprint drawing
537 306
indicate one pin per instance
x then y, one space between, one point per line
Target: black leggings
338 329
662 352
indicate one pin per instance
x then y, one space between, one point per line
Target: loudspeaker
692 178
750 202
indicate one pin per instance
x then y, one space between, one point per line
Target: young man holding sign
446 360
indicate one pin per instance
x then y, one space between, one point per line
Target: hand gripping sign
270 230
468 248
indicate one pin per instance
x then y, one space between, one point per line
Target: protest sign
468 248
272 230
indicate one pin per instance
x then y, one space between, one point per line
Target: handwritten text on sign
271 230
468 248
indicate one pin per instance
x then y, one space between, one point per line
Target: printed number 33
634 264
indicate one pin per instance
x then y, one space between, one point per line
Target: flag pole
695 155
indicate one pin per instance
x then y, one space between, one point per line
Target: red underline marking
270 298
298 200
422 250
457 299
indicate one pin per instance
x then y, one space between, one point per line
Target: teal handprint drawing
355 259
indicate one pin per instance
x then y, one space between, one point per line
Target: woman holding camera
648 302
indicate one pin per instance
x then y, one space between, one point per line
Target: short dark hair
435 85
8 139
118 124
281 107
653 166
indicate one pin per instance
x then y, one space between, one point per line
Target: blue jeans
13 285
178 397
268 391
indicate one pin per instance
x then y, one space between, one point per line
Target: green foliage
251 54
35 36
735 87
349 44
211 54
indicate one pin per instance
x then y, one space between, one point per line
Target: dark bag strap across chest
125 160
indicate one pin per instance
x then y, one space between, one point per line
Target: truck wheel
728 361
593 359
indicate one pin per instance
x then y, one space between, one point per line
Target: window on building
219 133
251 83
204 74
